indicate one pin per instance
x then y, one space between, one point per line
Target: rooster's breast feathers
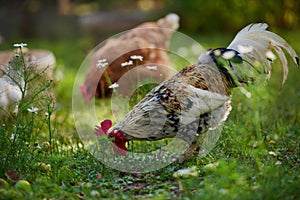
176 102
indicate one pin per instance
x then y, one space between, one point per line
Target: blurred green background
72 28
69 18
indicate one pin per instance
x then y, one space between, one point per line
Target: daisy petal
127 63
115 85
137 57
20 45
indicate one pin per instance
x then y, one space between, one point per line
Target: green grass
258 153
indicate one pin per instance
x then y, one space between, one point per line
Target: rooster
197 98
147 42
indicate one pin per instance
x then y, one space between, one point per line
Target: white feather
203 102
173 19
170 21
263 41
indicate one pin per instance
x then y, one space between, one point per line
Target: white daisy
33 110
101 63
127 63
137 57
152 67
115 85
102 60
20 45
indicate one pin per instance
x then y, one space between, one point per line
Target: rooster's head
118 138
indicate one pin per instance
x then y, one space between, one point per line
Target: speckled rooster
197 98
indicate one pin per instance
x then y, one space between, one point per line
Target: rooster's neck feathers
205 77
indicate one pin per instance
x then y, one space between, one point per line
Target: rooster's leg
193 149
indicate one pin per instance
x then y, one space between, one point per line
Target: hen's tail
170 21
255 46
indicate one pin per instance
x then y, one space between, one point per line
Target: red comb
119 139
103 128
105 125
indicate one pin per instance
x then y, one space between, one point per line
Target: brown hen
149 41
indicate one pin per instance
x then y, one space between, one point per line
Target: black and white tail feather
251 53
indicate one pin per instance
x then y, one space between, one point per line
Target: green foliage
256 157
218 15
139 93
20 132
230 15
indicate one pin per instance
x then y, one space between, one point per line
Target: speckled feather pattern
186 104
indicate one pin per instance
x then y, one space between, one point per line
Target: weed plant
23 131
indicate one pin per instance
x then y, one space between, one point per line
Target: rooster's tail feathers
256 44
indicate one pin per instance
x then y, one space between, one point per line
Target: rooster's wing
184 104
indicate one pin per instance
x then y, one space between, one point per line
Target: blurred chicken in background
144 46
12 81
